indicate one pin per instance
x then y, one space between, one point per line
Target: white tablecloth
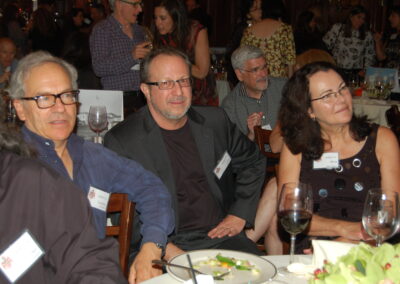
374 109
277 260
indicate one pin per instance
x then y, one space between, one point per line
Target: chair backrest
313 55
393 119
119 203
261 137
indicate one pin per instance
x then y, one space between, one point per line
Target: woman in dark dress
317 121
173 28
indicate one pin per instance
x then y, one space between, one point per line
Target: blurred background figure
173 28
250 13
12 26
97 13
197 13
74 22
274 38
306 33
76 51
44 34
351 43
8 63
388 47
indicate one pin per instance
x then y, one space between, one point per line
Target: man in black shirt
213 172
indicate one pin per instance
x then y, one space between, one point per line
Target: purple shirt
111 51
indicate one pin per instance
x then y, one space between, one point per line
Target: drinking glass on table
381 214
97 120
295 210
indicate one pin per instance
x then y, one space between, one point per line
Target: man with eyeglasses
117 44
45 97
213 172
255 99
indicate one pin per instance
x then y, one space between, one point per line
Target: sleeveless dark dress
340 193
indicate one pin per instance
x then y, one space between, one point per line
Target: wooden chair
119 203
313 55
261 137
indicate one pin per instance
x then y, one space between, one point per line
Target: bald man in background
8 63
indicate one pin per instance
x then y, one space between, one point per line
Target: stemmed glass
97 119
381 214
295 210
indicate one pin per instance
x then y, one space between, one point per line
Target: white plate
266 268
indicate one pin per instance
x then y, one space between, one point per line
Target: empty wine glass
381 214
97 120
295 210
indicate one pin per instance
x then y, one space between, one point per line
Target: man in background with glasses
213 172
256 98
45 97
117 45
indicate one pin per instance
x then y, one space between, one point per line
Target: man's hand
253 120
142 269
140 50
171 251
230 226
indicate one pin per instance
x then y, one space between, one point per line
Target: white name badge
20 256
98 198
327 161
222 165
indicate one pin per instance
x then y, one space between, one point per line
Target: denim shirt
97 166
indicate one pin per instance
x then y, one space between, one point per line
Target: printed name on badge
98 198
222 165
328 160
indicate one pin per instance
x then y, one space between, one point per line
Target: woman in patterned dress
351 44
274 38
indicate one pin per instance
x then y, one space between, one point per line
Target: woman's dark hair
347 30
301 133
10 137
245 6
180 34
273 9
303 22
395 9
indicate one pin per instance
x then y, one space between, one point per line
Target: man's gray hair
167 50
244 53
32 60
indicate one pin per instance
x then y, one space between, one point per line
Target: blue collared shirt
97 166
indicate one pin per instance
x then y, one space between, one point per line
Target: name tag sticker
222 165
266 127
98 198
19 257
327 161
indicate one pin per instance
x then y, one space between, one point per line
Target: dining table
375 109
277 260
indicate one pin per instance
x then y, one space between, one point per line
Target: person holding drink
339 154
117 46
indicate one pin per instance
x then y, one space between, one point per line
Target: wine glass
97 119
381 214
295 210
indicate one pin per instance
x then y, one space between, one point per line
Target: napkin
328 250
201 279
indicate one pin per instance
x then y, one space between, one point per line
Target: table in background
374 109
277 260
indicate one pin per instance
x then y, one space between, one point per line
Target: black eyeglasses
49 100
331 96
134 4
256 69
169 84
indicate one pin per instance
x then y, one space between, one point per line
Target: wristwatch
162 247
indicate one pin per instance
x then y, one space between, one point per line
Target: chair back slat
119 203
